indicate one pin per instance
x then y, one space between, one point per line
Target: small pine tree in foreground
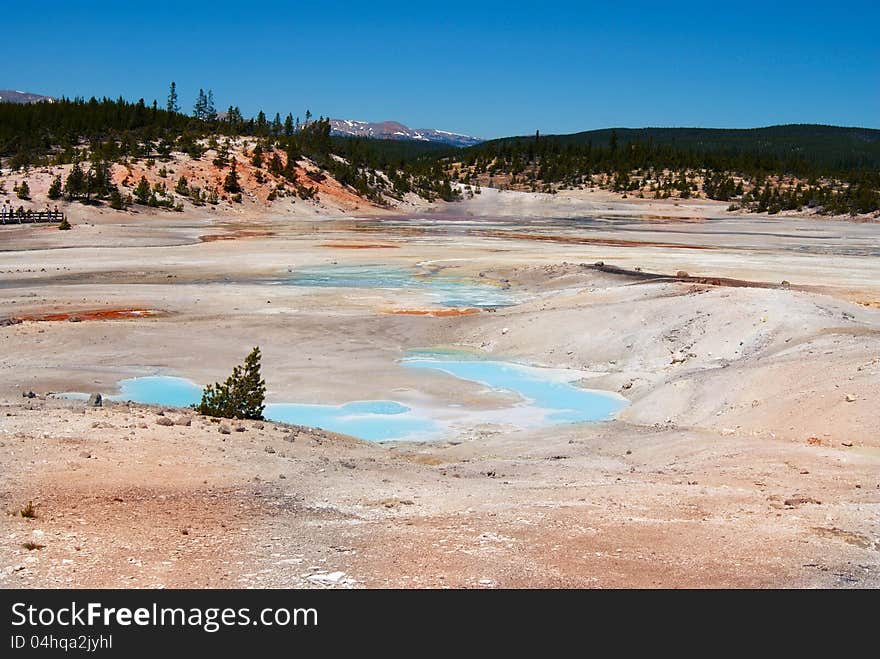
241 396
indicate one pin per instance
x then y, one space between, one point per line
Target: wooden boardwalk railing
9 216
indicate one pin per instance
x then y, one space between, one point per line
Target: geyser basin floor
548 396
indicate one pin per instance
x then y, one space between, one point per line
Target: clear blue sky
483 68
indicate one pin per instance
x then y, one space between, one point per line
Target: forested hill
833 147
828 169
96 135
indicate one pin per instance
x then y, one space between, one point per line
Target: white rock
331 578
289 561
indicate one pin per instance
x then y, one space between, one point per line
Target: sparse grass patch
29 511
31 546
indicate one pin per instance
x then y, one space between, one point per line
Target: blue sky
483 68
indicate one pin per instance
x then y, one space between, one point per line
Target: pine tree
23 190
98 180
75 184
288 126
231 183
222 158
275 164
201 105
210 110
172 98
142 191
242 396
116 200
276 125
55 188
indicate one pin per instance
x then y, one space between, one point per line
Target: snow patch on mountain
394 130
17 96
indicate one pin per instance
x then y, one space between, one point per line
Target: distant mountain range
393 130
13 96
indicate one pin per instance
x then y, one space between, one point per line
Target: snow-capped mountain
13 96
393 130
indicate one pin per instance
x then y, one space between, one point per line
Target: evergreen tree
23 190
241 396
222 158
275 164
75 185
262 124
231 183
200 108
257 156
142 192
172 105
98 180
276 125
55 188
210 110
288 126
116 200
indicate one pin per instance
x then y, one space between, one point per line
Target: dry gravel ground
748 457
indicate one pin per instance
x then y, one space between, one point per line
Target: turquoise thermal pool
443 290
549 397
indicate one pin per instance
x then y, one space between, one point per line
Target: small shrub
30 546
182 187
64 225
29 511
